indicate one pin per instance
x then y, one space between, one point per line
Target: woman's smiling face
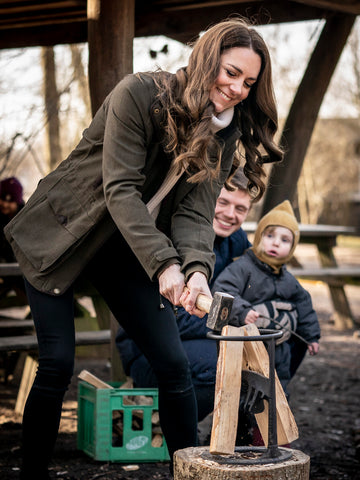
239 70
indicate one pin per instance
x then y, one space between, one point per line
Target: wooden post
107 320
342 312
117 369
110 37
111 25
194 464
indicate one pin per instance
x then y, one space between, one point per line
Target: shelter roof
33 23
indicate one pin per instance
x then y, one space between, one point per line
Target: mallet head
219 313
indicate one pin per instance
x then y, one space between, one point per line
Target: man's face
231 211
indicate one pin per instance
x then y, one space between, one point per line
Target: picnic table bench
29 342
11 323
336 276
17 335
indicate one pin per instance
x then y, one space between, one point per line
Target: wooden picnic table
310 233
324 237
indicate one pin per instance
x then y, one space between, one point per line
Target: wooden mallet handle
203 302
217 307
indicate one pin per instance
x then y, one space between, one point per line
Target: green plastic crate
96 435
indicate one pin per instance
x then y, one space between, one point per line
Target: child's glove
284 313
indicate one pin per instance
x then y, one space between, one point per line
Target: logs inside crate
137 415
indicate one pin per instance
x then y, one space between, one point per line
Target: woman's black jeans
135 302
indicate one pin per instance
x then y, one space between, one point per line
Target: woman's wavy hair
185 96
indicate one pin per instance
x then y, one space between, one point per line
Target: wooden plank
27 380
9 270
29 342
326 272
15 323
93 380
256 358
312 231
335 277
227 394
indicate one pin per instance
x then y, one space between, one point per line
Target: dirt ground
324 397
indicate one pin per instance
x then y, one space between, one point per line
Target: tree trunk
80 77
303 113
51 99
196 463
110 38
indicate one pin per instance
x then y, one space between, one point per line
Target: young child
264 290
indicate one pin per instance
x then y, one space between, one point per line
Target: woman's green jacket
104 184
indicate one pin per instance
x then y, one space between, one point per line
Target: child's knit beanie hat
283 216
11 190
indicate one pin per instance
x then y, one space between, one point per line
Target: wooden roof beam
345 6
176 19
169 19
48 35
40 21
185 28
29 6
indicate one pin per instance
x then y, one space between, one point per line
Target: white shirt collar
222 120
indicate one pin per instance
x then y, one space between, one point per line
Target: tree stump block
189 464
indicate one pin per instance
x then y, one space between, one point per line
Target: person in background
11 202
131 210
265 292
232 208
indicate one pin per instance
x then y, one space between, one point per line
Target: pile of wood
137 414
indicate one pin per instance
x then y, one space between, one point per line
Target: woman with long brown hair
131 210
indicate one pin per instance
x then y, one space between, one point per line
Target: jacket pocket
48 228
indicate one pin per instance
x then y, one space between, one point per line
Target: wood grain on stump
190 465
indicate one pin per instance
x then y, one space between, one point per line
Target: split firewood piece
97 383
129 383
155 419
93 380
156 429
118 427
256 358
143 400
227 393
157 441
